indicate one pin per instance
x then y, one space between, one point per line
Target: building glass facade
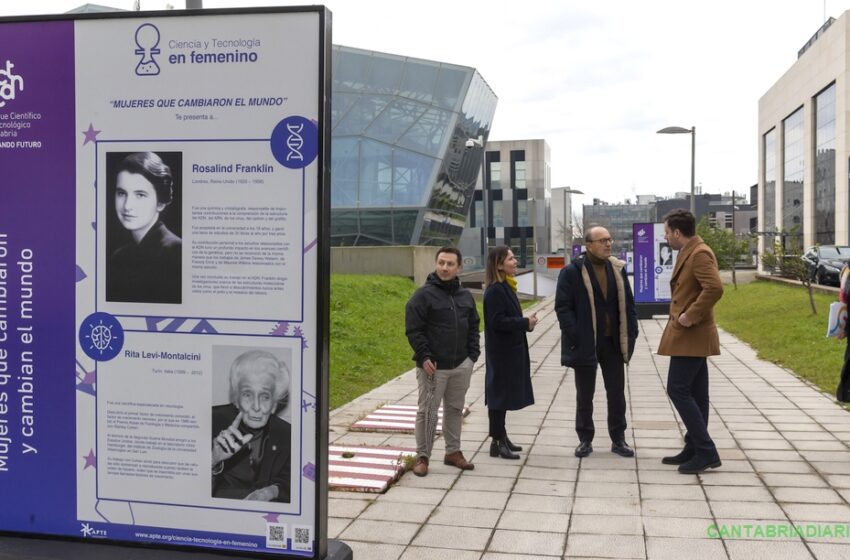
824 159
618 220
400 171
793 207
769 201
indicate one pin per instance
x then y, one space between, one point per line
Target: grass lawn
777 321
367 342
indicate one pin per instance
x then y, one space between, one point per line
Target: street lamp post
567 191
693 132
479 143
532 211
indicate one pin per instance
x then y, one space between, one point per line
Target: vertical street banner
163 278
653 263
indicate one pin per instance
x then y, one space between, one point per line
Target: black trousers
497 423
687 386
613 374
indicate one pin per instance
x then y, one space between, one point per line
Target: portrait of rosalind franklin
251 446
147 266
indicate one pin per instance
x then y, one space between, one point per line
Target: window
792 195
824 158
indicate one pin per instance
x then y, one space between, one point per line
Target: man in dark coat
441 323
596 312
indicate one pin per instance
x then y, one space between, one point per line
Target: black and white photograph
251 431
143 227
665 254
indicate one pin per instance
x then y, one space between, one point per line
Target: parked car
825 262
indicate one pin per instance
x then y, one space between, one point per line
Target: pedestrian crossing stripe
397 418
363 468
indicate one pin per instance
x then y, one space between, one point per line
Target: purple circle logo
295 142
101 336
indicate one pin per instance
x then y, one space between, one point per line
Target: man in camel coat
689 337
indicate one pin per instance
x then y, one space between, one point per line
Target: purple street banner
577 249
653 263
160 237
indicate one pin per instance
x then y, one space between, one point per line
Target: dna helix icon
294 141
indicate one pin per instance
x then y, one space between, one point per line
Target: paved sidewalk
784 446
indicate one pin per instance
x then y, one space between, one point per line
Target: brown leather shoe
458 460
420 468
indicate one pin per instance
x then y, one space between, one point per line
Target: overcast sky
595 79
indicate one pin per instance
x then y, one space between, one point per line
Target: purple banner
37 278
643 239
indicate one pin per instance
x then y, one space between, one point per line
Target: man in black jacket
596 311
441 323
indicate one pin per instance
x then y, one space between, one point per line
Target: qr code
275 535
302 538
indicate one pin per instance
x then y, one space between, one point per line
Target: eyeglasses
604 241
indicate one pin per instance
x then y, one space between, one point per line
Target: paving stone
607 506
338 507
541 473
746 510
808 513
606 524
659 548
461 538
529 502
682 527
428 553
807 495
375 551
794 480
606 490
398 511
476 499
386 532
462 517
612 546
533 521
530 543
672 492
766 550
414 495
675 508
543 487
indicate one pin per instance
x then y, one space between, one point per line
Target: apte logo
147 45
10 84
641 232
89 531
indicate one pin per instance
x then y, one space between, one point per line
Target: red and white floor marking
365 468
395 418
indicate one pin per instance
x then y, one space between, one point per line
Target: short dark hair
452 250
682 220
150 166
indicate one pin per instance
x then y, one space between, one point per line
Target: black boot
498 448
511 445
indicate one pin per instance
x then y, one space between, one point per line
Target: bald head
598 242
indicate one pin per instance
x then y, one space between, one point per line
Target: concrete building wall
415 262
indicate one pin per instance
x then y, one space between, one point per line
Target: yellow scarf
511 281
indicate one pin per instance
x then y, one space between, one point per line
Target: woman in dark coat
508 378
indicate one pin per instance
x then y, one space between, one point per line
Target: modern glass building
803 146
401 173
511 203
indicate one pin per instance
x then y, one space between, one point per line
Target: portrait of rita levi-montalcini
143 245
251 444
